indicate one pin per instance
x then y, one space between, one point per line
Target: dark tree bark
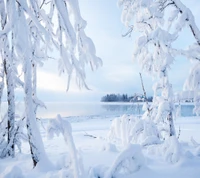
7 66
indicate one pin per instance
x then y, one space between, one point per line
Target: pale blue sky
119 73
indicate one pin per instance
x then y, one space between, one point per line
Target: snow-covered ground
98 155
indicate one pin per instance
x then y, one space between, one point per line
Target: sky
120 72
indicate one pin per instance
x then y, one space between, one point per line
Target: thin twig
145 95
179 133
128 32
88 135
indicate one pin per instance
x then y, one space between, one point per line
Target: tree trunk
1 85
7 63
35 140
34 84
7 67
171 125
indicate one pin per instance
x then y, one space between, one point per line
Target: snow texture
170 158
14 172
129 161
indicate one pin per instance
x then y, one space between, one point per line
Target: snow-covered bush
120 129
128 161
171 150
130 129
62 126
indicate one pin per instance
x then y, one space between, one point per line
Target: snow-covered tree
36 27
7 56
159 22
180 18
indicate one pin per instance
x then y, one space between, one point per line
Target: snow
125 146
13 172
100 158
129 161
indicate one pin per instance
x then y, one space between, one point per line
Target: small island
125 98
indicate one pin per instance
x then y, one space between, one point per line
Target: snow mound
13 172
128 161
44 165
109 147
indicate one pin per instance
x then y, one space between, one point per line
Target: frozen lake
90 108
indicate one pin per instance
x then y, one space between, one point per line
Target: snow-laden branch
62 126
189 18
28 35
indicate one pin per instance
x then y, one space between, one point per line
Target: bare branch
128 32
145 95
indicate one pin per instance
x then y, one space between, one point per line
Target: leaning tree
36 27
160 22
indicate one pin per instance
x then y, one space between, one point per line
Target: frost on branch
62 126
170 150
76 49
128 161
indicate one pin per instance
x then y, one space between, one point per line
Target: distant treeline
124 98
